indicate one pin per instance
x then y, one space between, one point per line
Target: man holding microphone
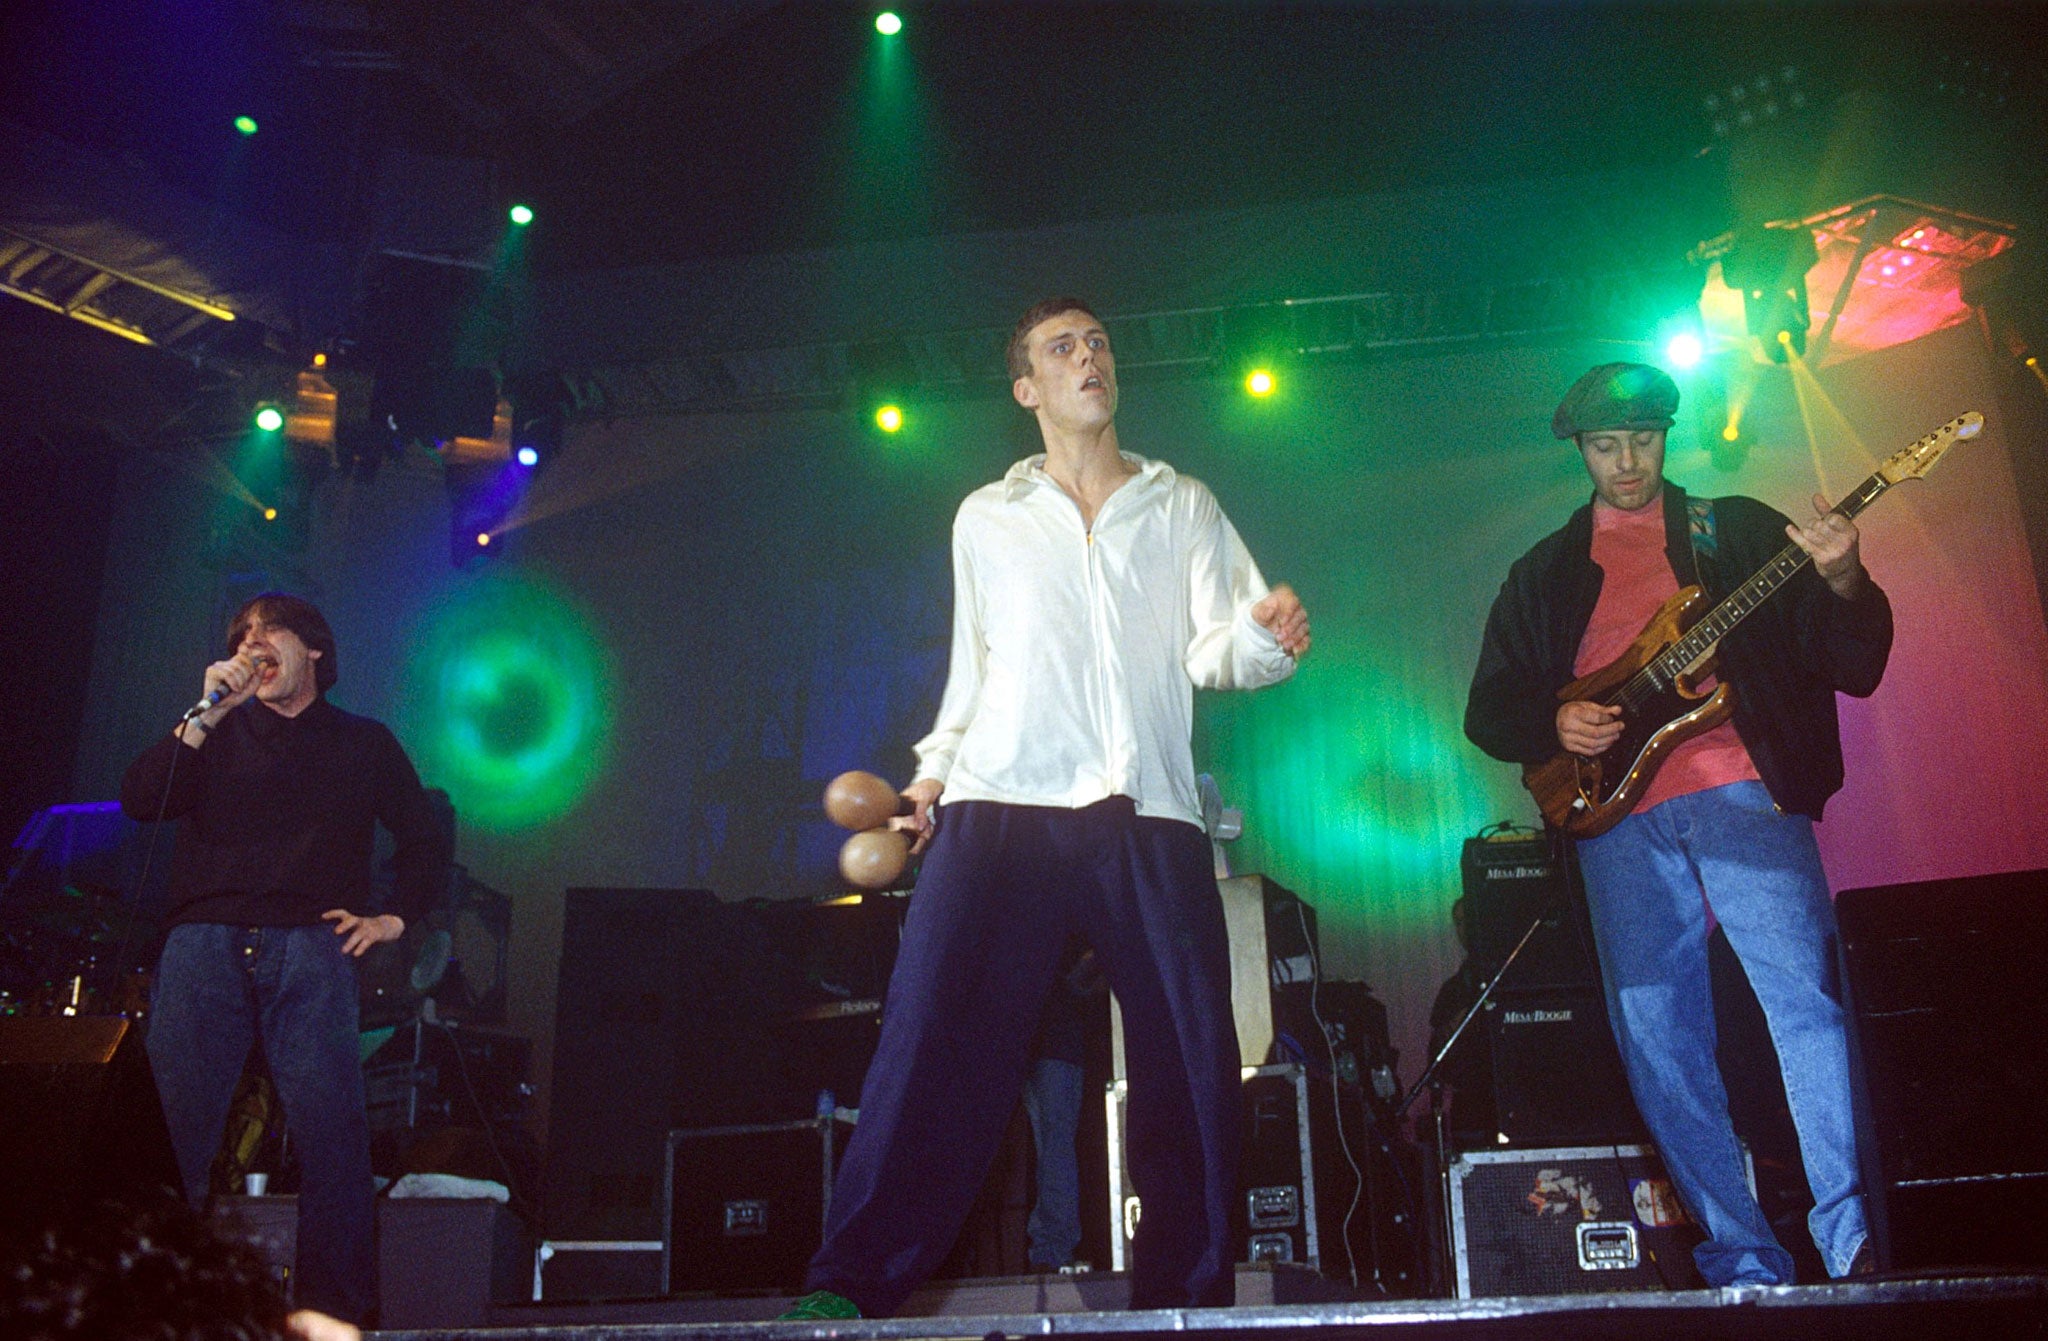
269 899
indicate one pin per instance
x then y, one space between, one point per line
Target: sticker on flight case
1556 1192
1656 1202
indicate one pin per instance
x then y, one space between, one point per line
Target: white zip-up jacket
1076 653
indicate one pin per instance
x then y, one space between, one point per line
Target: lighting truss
84 290
1157 345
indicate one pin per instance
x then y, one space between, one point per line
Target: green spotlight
270 419
889 418
1684 350
1259 382
246 124
888 24
521 215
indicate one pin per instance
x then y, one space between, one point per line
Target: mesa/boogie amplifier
1557 1074
1510 882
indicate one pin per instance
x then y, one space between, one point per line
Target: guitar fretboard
1663 671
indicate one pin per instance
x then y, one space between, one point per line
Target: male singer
278 793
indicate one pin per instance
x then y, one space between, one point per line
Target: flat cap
1617 395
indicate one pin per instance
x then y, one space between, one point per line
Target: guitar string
1654 677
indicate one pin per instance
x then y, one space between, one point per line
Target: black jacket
278 817
1786 660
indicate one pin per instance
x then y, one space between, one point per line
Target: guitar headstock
1910 463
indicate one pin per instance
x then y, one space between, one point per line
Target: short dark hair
299 615
1017 355
138 1271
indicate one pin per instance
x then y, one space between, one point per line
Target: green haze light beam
512 713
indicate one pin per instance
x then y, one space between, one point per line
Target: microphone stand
1428 1081
1478 1004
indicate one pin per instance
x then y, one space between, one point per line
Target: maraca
874 857
861 801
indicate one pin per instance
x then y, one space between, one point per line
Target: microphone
219 692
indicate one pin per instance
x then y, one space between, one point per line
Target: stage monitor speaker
1949 1007
79 1117
1509 882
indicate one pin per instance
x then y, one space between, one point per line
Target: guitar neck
1718 622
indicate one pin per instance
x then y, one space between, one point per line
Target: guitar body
1586 797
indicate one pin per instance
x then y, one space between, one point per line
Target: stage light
883 375
270 419
1732 432
270 514
521 215
1769 266
1684 350
1259 382
888 24
315 405
528 457
483 539
246 124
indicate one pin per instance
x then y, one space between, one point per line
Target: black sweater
278 815
1786 660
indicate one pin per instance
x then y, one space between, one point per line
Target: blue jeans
1760 870
218 990
1052 1099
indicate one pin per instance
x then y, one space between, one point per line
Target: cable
1358 1179
156 832
1409 1204
526 1209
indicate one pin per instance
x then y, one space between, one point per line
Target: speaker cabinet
79 1117
677 1011
1948 1008
1510 883
631 1035
1557 1075
441 1261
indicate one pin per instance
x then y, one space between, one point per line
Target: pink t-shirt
1629 548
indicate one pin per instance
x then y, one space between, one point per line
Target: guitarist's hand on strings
1588 728
1831 540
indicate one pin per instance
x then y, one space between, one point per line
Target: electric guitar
1656 682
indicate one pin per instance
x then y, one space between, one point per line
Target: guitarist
1726 823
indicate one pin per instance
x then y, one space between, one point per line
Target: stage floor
1989 1305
